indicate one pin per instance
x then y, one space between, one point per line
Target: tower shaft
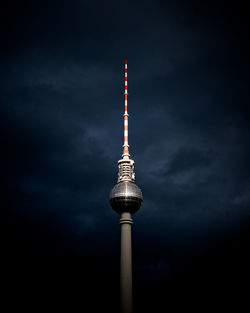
126 263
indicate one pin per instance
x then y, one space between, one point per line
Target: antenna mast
126 154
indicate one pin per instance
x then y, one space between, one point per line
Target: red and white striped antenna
126 154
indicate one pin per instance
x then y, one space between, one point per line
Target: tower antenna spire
126 154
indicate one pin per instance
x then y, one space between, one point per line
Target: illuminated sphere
125 196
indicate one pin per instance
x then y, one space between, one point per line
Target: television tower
126 198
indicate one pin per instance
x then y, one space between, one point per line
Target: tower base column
126 263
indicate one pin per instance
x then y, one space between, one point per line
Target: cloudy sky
61 92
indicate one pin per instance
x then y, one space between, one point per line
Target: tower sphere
125 196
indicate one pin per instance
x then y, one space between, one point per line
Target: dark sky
62 77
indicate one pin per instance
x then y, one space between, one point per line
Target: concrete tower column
126 263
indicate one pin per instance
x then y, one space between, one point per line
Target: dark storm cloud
61 109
